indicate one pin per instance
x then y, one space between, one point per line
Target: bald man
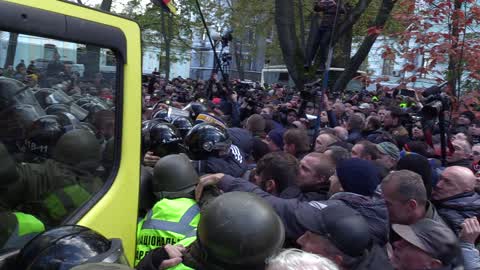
341 133
455 196
461 155
323 141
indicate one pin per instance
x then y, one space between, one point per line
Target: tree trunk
92 60
302 24
453 60
106 5
168 45
11 50
344 27
287 37
343 50
237 51
354 63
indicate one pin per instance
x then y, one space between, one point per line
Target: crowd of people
364 187
245 176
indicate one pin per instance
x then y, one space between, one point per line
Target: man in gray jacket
455 196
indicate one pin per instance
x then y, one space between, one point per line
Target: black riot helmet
92 108
67 119
43 135
195 108
174 177
205 140
65 247
161 115
14 92
56 108
183 125
18 109
235 218
49 96
146 126
164 139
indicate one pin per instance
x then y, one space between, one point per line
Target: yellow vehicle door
75 68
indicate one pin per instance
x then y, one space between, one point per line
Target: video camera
311 90
437 101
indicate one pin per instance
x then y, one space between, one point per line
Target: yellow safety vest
27 228
168 222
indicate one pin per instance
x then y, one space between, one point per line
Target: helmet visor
16 120
78 111
25 96
58 97
113 255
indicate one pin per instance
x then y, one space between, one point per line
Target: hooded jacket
456 209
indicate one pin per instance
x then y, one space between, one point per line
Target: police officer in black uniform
212 151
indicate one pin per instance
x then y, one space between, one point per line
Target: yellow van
70 38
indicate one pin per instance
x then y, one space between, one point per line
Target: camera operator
392 123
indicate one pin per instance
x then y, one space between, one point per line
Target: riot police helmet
164 139
15 93
43 136
235 218
206 140
174 176
195 108
78 148
161 115
183 125
56 108
69 246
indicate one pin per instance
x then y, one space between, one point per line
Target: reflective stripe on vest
63 201
27 228
169 222
180 266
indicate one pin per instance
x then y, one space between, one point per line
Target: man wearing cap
388 155
426 244
341 234
455 196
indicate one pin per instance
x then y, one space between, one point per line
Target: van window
57 124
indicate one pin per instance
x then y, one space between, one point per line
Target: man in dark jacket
355 126
406 198
455 196
354 184
312 182
373 210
